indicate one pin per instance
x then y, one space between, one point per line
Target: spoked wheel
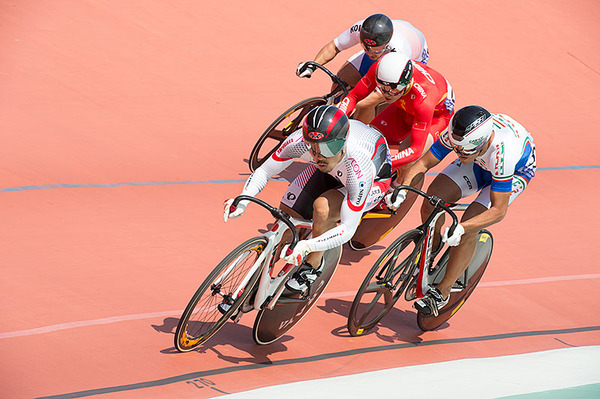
384 283
270 325
201 319
280 129
466 283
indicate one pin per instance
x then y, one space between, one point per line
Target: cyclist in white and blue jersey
496 156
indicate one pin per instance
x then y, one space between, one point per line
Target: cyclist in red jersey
420 104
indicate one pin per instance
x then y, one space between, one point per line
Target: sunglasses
394 88
370 50
327 149
460 150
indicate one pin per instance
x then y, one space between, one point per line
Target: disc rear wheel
464 286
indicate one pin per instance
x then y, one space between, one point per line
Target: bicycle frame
270 287
425 255
424 279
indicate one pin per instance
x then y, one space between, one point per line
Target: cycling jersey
510 156
425 108
364 171
406 39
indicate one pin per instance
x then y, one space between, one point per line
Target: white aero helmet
394 70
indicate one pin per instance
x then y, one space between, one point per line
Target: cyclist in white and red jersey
350 173
496 156
377 35
421 105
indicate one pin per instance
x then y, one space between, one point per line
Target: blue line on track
224 181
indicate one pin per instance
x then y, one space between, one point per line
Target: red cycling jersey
425 109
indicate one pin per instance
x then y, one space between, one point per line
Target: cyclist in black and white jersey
349 173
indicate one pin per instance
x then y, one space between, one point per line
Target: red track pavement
150 91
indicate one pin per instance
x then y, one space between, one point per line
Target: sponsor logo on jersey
402 154
361 192
356 168
420 90
424 72
468 182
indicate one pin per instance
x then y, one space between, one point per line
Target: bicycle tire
288 122
270 325
201 319
387 280
475 270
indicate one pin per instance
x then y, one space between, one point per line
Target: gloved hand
237 211
300 251
454 239
399 198
304 71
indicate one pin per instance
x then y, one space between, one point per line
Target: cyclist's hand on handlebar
304 71
393 205
229 213
454 239
296 256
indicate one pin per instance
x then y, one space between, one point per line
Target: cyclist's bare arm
491 216
327 53
416 172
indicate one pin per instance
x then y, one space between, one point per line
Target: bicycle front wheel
201 319
385 283
280 129
466 283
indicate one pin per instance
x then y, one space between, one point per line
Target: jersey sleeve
442 146
350 37
293 147
362 89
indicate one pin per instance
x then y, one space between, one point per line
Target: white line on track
177 313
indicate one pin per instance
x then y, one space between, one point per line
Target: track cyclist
349 173
377 35
496 156
421 105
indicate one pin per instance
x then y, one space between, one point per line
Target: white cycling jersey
406 39
364 171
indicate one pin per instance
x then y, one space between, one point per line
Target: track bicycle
251 277
408 267
290 120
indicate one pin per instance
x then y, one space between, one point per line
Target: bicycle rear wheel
280 129
385 283
270 325
201 319
467 282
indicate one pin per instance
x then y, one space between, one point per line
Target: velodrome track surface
126 125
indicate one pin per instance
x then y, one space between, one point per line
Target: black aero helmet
327 126
470 128
376 30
